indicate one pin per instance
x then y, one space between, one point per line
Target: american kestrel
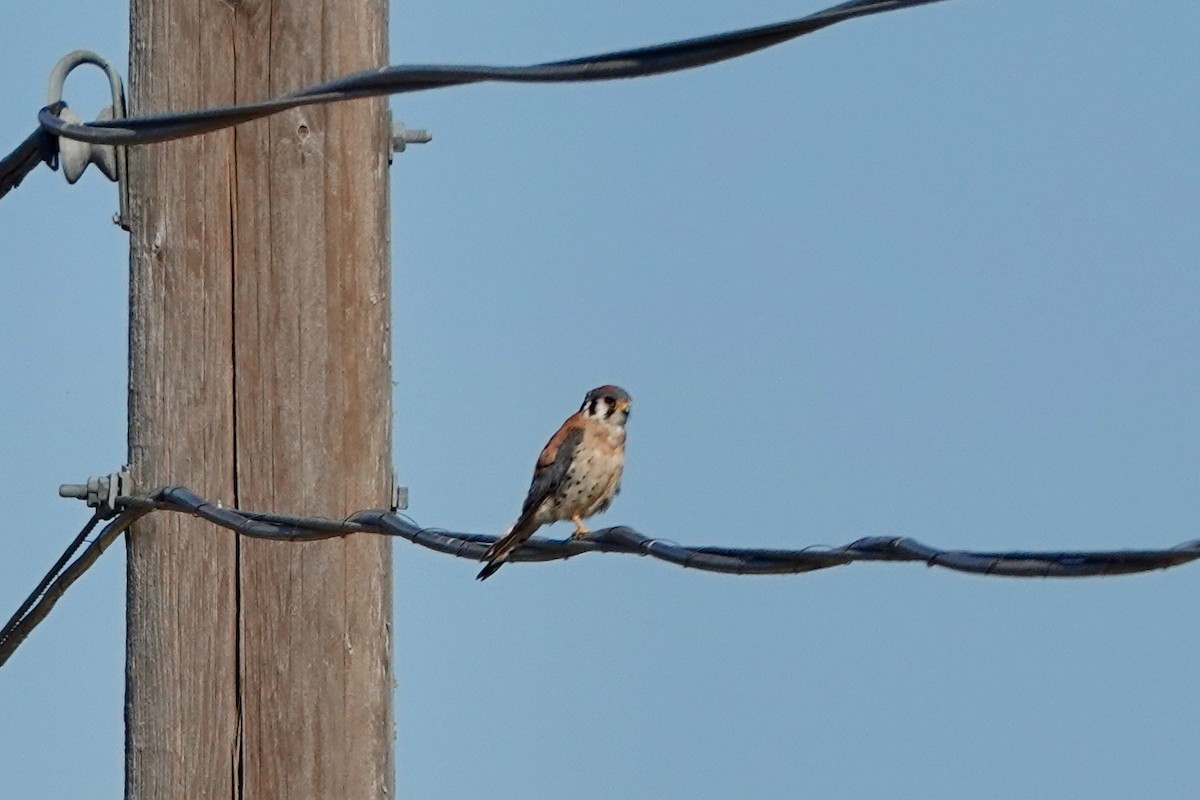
578 473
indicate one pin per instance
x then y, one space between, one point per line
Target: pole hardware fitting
74 156
402 137
399 497
100 492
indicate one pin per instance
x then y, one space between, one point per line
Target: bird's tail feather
503 547
488 570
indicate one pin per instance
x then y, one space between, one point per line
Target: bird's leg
580 529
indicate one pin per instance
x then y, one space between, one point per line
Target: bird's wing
549 474
552 465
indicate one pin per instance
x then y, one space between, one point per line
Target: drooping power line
42 146
731 560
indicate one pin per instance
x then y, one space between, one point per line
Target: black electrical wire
739 561
38 592
634 63
731 560
42 600
39 147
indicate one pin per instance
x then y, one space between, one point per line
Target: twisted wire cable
620 539
633 63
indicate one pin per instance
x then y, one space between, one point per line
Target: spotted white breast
593 479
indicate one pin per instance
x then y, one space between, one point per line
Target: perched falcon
578 473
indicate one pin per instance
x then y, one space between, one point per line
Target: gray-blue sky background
929 274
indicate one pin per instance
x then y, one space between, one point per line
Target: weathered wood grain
260 374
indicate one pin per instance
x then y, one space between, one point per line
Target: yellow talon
580 528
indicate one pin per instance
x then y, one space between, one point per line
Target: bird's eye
611 401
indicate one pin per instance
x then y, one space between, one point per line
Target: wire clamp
74 156
399 497
100 492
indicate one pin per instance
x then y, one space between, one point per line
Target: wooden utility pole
260 376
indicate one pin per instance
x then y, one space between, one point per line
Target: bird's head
608 404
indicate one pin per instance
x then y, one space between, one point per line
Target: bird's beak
622 405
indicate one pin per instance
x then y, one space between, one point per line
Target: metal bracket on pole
399 497
100 492
74 156
402 137
399 494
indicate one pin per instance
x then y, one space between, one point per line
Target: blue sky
929 274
